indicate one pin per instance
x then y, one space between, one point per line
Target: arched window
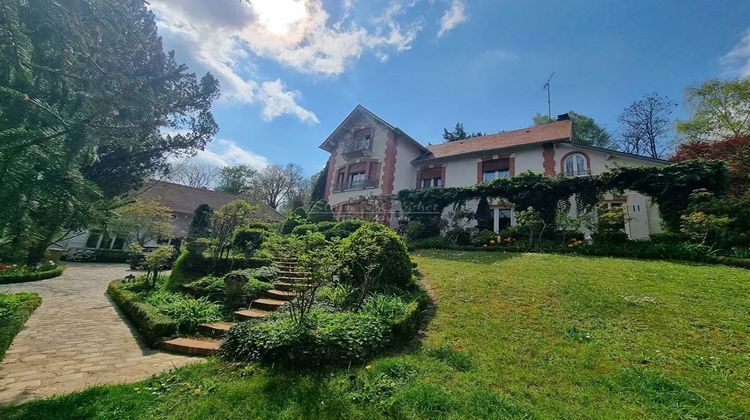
576 164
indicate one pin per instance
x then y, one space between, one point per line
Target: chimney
563 117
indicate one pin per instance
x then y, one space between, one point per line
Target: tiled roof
184 199
559 130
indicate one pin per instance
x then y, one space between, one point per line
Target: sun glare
278 16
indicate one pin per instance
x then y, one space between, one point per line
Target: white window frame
432 182
578 165
495 174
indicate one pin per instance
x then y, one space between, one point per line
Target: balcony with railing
354 185
580 172
360 147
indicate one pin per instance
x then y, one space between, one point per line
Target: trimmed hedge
15 309
32 276
190 267
328 339
97 255
153 325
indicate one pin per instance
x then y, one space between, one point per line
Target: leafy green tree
200 226
156 260
585 130
718 110
531 223
90 105
319 185
142 221
541 119
225 221
459 133
236 179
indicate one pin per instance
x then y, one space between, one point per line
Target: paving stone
76 339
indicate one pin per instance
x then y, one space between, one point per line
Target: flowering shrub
14 273
20 270
574 242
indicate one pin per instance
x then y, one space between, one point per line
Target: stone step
251 313
191 346
290 273
287 279
290 286
281 294
267 304
216 329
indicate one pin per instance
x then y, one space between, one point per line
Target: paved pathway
76 338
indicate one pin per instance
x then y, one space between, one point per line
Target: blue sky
292 70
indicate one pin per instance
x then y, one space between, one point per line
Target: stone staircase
290 280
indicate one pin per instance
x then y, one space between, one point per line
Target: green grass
515 336
15 309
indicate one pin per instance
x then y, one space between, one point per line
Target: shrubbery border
616 251
33 276
153 325
191 266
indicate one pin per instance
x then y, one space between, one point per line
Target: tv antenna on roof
549 101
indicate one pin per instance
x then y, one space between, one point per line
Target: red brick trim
548 152
574 152
389 164
331 175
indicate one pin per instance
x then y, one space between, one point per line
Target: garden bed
15 309
153 326
20 274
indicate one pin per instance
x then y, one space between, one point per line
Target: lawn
515 335
15 309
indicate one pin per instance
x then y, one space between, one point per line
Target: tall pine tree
90 104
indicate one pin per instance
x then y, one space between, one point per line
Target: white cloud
453 17
227 36
277 101
224 152
738 59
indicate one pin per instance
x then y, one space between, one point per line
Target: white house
371 158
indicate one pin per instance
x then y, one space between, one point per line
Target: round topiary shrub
375 246
325 226
350 225
303 230
258 225
289 224
249 240
336 233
